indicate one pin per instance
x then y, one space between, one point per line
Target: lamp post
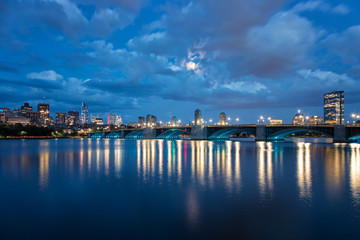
353 116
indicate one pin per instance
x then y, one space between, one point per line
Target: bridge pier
260 133
340 134
149 133
199 132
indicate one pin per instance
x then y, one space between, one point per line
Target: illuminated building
222 119
111 119
141 121
173 121
315 120
98 121
61 118
118 120
84 113
151 120
73 118
198 117
275 122
27 112
26 107
334 107
17 119
4 110
298 119
2 117
43 110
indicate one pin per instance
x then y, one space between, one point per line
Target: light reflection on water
196 172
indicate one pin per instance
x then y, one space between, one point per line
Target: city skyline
164 58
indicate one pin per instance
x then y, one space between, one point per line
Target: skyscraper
73 118
151 120
173 121
84 113
141 121
222 119
198 117
118 120
334 107
44 111
61 118
111 119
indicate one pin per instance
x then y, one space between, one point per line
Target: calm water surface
158 189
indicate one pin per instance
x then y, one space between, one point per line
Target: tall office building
198 117
141 121
27 111
43 113
151 120
84 113
61 118
334 107
118 120
173 121
111 119
222 119
73 118
26 107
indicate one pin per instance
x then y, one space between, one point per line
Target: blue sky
246 58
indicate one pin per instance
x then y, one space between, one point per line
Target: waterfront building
315 120
61 118
118 120
222 119
27 112
141 121
2 117
26 107
298 119
334 107
84 113
43 110
98 121
151 120
173 121
13 119
198 117
111 119
275 122
4 110
73 118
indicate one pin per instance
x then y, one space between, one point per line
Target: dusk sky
166 58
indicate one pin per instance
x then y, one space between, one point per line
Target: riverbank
38 137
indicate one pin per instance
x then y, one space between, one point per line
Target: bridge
262 132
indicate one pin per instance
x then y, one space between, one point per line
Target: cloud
245 87
341 9
45 75
345 44
105 21
320 6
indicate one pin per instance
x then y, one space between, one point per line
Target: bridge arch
114 135
136 134
355 138
96 135
224 134
171 134
280 136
